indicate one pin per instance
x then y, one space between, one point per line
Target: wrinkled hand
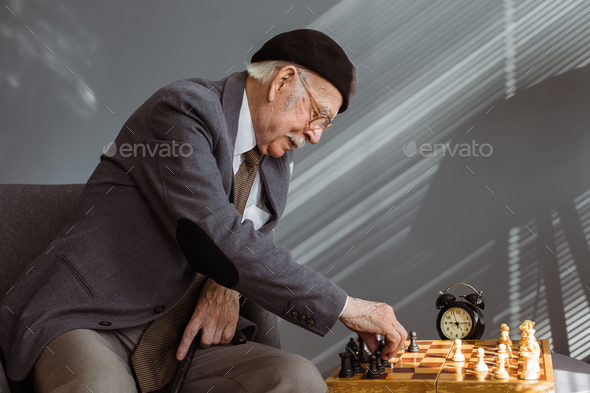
216 314
369 318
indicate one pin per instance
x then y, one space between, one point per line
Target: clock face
456 323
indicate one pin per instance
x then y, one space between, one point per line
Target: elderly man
164 242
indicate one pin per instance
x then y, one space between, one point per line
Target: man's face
282 122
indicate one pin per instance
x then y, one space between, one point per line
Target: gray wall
382 225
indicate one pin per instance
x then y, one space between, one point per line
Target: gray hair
264 71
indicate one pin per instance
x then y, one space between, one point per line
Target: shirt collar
246 138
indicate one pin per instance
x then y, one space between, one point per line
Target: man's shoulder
203 90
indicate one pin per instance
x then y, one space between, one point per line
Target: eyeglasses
321 121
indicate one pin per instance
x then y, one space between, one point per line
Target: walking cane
176 386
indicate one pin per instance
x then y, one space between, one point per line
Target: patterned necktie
154 359
245 178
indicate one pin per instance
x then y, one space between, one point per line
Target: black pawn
363 354
354 360
356 364
379 362
413 348
372 372
345 366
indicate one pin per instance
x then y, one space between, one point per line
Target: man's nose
312 136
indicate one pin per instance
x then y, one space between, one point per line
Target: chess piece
379 362
372 372
356 364
503 328
481 365
458 355
413 348
530 337
481 376
353 346
523 335
501 372
387 364
505 339
459 371
531 369
345 366
363 353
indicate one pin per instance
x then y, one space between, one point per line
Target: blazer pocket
87 288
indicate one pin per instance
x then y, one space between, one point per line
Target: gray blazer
121 260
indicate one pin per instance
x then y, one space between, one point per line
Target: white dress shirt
255 209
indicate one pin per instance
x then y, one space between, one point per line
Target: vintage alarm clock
460 319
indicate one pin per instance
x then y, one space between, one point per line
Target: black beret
316 51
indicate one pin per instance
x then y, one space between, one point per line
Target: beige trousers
98 361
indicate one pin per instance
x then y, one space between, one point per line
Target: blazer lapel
231 102
272 176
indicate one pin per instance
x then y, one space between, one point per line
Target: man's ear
278 85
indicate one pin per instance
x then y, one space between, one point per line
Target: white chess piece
531 369
526 325
503 328
481 365
501 372
458 355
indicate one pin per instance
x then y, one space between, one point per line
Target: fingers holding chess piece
457 354
501 372
481 366
378 361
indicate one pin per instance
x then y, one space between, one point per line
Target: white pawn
458 355
501 372
481 365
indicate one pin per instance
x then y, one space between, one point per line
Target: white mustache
298 142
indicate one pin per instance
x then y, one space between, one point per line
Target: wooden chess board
432 370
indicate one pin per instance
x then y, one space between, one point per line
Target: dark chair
31 217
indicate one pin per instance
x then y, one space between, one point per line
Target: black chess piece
363 353
354 360
379 362
352 346
345 366
381 345
372 372
356 365
413 348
